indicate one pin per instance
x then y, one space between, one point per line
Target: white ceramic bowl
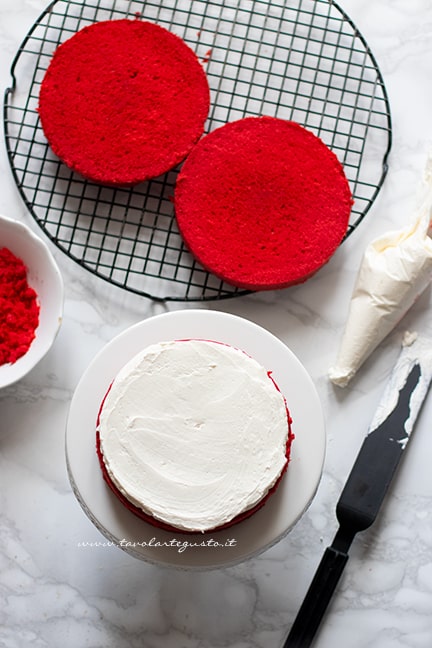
44 277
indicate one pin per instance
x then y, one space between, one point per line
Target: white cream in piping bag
395 270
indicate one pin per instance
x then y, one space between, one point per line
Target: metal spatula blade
369 480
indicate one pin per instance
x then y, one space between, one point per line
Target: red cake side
123 101
262 203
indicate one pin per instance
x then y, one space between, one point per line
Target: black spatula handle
317 599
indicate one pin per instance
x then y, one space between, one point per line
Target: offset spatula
369 480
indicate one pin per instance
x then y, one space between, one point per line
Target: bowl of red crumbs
31 300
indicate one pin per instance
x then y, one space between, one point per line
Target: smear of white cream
415 350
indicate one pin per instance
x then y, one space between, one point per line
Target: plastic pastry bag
395 270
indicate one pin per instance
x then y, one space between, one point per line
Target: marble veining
54 592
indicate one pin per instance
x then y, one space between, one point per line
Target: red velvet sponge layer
262 203
162 525
123 101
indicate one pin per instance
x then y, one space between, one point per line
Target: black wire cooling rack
302 60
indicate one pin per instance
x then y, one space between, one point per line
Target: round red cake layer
123 101
162 525
262 203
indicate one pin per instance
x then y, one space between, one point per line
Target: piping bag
395 269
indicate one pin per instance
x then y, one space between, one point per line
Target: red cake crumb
19 309
123 101
207 56
262 203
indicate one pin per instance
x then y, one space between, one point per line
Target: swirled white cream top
194 433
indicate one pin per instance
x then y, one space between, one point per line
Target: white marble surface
54 593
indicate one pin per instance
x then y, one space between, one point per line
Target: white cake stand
214 549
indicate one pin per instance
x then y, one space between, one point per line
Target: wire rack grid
302 60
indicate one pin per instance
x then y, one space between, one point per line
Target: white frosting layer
194 433
416 350
395 270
